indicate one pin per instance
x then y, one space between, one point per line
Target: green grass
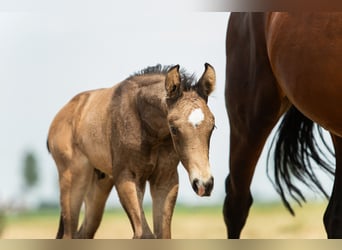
266 220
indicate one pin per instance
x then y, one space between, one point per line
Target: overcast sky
50 52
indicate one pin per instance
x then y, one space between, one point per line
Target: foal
124 136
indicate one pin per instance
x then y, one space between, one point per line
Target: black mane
188 80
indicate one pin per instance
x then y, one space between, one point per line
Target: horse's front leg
131 193
164 190
333 213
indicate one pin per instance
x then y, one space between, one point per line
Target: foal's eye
174 130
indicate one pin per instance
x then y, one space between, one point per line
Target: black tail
295 151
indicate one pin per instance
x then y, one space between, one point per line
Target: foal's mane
187 80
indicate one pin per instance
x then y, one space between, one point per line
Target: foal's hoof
146 236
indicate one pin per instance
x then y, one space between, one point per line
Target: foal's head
191 124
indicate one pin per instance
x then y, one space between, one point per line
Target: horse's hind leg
74 178
250 125
333 213
245 149
95 201
254 105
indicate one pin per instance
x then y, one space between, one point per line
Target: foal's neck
152 108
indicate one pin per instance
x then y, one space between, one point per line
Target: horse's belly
305 52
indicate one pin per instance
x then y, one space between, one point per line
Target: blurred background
52 50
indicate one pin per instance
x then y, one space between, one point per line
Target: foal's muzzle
203 188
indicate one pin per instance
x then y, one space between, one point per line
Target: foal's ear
173 82
206 83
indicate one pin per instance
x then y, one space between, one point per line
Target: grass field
266 221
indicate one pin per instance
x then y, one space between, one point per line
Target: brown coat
124 136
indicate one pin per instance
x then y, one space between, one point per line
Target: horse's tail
295 151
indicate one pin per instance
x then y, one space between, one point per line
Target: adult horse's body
124 136
282 63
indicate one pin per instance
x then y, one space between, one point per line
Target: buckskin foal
124 136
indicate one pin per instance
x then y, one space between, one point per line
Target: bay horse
134 132
283 64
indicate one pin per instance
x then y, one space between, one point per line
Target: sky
50 51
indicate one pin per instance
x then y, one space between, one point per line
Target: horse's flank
283 63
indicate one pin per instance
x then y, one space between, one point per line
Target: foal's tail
60 231
295 151
47 145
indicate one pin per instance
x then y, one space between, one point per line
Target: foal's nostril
195 185
209 186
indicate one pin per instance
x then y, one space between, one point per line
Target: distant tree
2 222
30 171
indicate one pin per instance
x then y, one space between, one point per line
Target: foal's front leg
164 190
95 201
131 193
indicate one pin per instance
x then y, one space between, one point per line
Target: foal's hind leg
333 213
95 201
74 178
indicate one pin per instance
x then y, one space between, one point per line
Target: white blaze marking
196 117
